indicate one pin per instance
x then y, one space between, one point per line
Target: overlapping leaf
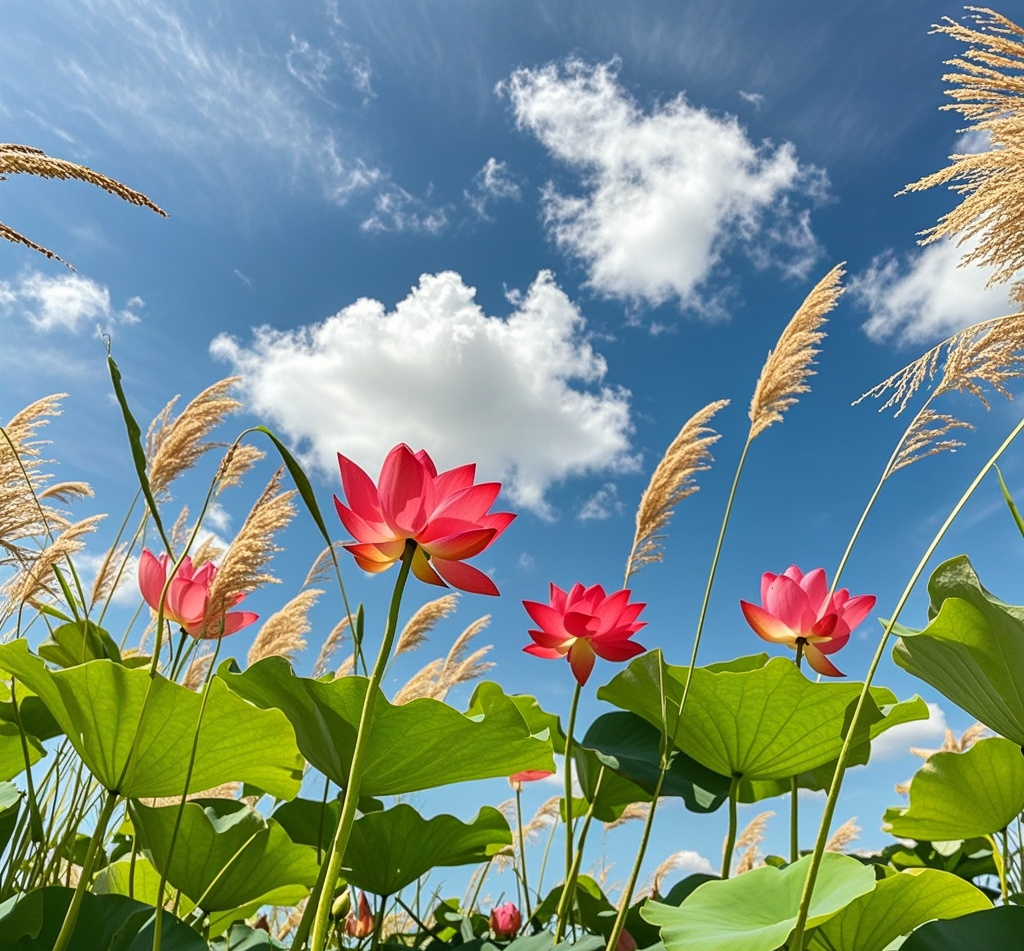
100 704
972 650
417 745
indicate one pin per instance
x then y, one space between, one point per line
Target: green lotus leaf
994 928
418 745
12 753
139 880
226 854
36 720
10 805
760 723
77 642
631 747
961 795
32 920
757 911
972 651
391 849
899 904
539 720
99 705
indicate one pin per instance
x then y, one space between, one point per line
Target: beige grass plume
750 839
987 90
924 438
635 810
459 666
283 634
24 159
330 645
671 482
425 619
244 566
175 444
784 374
951 744
846 834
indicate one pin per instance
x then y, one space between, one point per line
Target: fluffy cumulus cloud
665 191
522 396
926 296
64 302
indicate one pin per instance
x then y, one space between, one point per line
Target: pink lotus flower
445 515
516 780
188 597
361 926
505 920
584 624
797 610
626 942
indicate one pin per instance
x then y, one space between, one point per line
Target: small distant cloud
756 99
603 504
308 64
925 733
218 517
394 209
526 561
926 295
357 65
492 183
244 278
65 302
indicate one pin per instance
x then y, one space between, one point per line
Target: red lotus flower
188 597
445 515
797 610
361 926
516 780
584 624
505 920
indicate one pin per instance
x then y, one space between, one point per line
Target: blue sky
538 236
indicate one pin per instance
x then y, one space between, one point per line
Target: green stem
82 887
794 821
158 924
355 773
569 891
797 942
730 842
522 853
1001 857
544 860
563 902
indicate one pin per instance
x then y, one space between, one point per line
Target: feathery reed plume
283 634
924 438
750 840
635 810
37 580
66 492
784 375
243 567
224 791
458 667
24 159
671 482
987 91
195 676
843 836
22 515
953 745
109 574
423 683
423 622
175 445
209 549
321 571
330 645
348 665
238 461
989 352
292 921
668 866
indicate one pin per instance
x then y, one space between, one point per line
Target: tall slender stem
564 901
70 919
355 770
522 852
570 880
730 842
797 942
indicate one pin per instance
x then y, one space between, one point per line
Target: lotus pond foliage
171 796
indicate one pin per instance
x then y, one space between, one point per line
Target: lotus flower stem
794 821
70 919
570 881
797 941
730 842
564 901
522 853
355 772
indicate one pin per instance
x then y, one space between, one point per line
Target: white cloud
923 733
522 395
603 504
126 591
665 192
492 183
926 296
308 64
394 209
690 862
65 302
756 99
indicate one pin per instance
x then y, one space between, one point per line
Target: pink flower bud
361 927
506 920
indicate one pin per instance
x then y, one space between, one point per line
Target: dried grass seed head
784 374
846 834
924 438
330 645
283 634
671 482
423 621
